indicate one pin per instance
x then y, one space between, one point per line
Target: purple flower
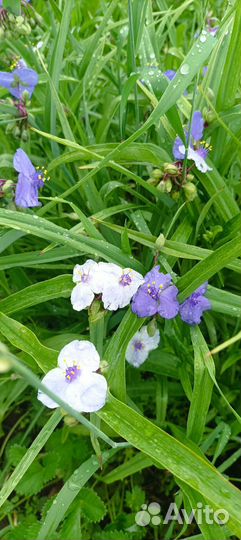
200 154
170 74
19 80
29 181
192 309
156 295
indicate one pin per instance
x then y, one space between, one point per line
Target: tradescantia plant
119 307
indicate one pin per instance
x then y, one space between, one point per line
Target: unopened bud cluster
169 179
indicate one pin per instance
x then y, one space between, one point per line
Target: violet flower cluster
155 294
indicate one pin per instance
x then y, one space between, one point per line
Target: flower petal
88 393
198 160
26 193
168 306
178 149
55 381
82 353
191 312
81 296
142 303
197 126
22 163
170 74
136 357
151 342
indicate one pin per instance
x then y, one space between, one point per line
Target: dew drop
185 69
203 39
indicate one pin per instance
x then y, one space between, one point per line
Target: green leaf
202 390
205 269
91 505
69 492
24 339
45 229
37 445
179 459
58 287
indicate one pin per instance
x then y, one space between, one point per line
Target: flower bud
1 32
8 184
16 132
151 328
190 191
157 173
70 421
24 135
210 94
190 177
176 195
5 363
168 186
152 181
19 20
170 168
161 186
210 117
160 241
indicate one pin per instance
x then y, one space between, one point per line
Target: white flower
118 285
196 157
140 345
86 277
75 380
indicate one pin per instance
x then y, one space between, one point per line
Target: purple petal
22 163
169 306
170 74
6 79
142 304
197 126
202 289
192 309
176 152
26 195
158 277
28 79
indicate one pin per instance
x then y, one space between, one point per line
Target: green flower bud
5 363
176 195
7 186
16 132
70 421
157 173
190 191
160 241
170 168
168 185
1 33
152 181
210 117
25 135
151 328
210 94
161 186
190 177
19 20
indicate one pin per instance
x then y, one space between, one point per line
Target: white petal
182 149
110 269
88 393
55 381
86 268
80 353
136 357
151 342
115 295
82 296
198 160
